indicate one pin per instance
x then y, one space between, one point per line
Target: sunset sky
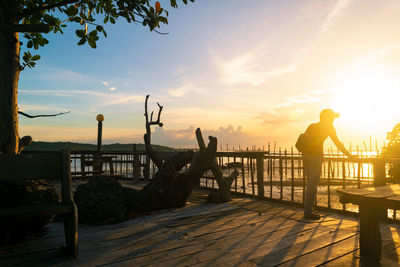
248 72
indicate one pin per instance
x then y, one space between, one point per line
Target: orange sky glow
249 81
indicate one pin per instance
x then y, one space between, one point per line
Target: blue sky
248 72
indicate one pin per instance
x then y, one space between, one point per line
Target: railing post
379 180
136 165
379 172
260 175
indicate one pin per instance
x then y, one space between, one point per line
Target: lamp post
100 119
96 161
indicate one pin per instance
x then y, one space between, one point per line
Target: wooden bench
373 203
43 165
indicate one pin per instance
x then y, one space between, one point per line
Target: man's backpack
304 143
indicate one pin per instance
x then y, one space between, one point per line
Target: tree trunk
9 76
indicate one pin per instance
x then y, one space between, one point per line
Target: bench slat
30 166
37 210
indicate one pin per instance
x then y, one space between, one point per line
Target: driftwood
224 184
103 200
147 137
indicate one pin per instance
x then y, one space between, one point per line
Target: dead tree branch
45 115
224 184
147 135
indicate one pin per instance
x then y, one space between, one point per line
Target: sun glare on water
368 99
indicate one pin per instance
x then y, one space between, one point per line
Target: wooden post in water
260 175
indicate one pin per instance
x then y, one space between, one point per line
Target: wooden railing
277 177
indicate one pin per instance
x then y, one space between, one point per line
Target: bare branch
150 151
200 139
46 115
159 113
162 33
147 136
25 28
145 109
224 184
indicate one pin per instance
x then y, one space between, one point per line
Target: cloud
106 99
184 89
250 68
107 84
335 14
377 54
290 111
61 92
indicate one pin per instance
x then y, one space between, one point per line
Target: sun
368 99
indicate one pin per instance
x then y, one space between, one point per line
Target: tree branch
150 152
46 115
30 11
25 28
147 136
224 184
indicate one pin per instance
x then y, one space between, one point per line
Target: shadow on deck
244 232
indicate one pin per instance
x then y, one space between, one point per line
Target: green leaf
82 41
112 20
80 33
35 57
92 43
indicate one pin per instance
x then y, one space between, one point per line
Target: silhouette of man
312 159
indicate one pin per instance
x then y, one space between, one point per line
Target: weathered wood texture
243 232
373 204
43 166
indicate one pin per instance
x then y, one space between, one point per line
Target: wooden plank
323 254
393 202
231 250
390 250
393 188
30 166
295 254
31 211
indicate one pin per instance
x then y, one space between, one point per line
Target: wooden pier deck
244 232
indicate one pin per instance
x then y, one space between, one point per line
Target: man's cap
329 113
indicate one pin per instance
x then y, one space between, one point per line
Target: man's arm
339 144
